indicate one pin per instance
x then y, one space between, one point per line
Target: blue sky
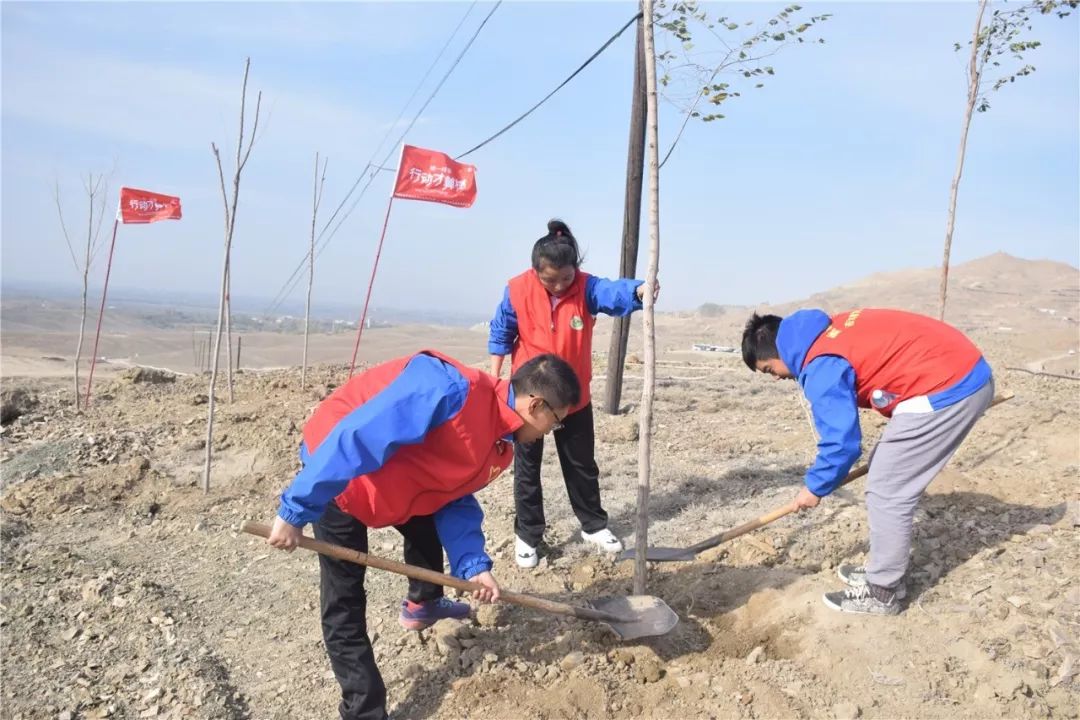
838 168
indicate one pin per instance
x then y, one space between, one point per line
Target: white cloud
159 105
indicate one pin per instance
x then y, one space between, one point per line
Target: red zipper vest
457 458
899 352
565 330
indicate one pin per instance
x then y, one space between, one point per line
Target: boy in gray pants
926 376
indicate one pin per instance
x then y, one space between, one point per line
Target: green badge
576 322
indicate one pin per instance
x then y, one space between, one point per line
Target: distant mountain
992 290
996 290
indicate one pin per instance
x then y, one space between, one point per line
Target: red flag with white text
432 176
143 206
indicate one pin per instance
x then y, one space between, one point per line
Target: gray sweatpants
913 449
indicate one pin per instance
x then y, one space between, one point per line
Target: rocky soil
128 593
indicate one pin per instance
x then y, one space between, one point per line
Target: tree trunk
974 73
635 168
230 224
311 272
645 429
85 285
215 360
82 324
228 331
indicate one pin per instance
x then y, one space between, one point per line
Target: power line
286 287
547 97
393 148
375 172
375 169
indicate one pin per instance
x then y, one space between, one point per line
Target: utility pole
635 170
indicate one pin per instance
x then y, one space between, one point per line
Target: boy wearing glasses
406 443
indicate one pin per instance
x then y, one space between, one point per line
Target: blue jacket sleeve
426 394
612 297
504 327
459 526
829 384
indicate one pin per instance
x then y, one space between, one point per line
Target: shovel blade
661 554
640 615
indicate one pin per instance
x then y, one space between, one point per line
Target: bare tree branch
317 193
102 187
221 175
63 227
254 129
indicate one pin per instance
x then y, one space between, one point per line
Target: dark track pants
576 446
344 606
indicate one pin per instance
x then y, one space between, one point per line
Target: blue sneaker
417 616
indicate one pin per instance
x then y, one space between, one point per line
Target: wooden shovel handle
418 573
790 507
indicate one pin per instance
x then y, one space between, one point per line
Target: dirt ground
128 593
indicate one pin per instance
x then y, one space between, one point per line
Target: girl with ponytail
552 308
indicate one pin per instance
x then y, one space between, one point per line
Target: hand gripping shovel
629 617
670 554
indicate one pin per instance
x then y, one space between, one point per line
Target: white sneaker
525 554
604 539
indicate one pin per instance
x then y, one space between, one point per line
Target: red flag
433 176
143 206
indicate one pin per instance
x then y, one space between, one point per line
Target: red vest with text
455 459
565 330
899 352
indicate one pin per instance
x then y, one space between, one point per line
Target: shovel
629 617
670 554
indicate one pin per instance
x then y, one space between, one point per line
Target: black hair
549 377
558 248
759 339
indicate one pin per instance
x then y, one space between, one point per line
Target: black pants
576 445
344 606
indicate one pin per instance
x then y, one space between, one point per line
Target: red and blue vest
565 330
900 352
457 458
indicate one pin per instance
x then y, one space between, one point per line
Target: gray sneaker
855 576
867 599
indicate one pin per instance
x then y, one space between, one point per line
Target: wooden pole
635 170
645 430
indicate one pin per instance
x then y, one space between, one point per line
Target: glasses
551 408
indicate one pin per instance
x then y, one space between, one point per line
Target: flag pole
374 269
101 312
371 282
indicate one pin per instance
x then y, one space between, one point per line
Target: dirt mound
153 376
14 403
